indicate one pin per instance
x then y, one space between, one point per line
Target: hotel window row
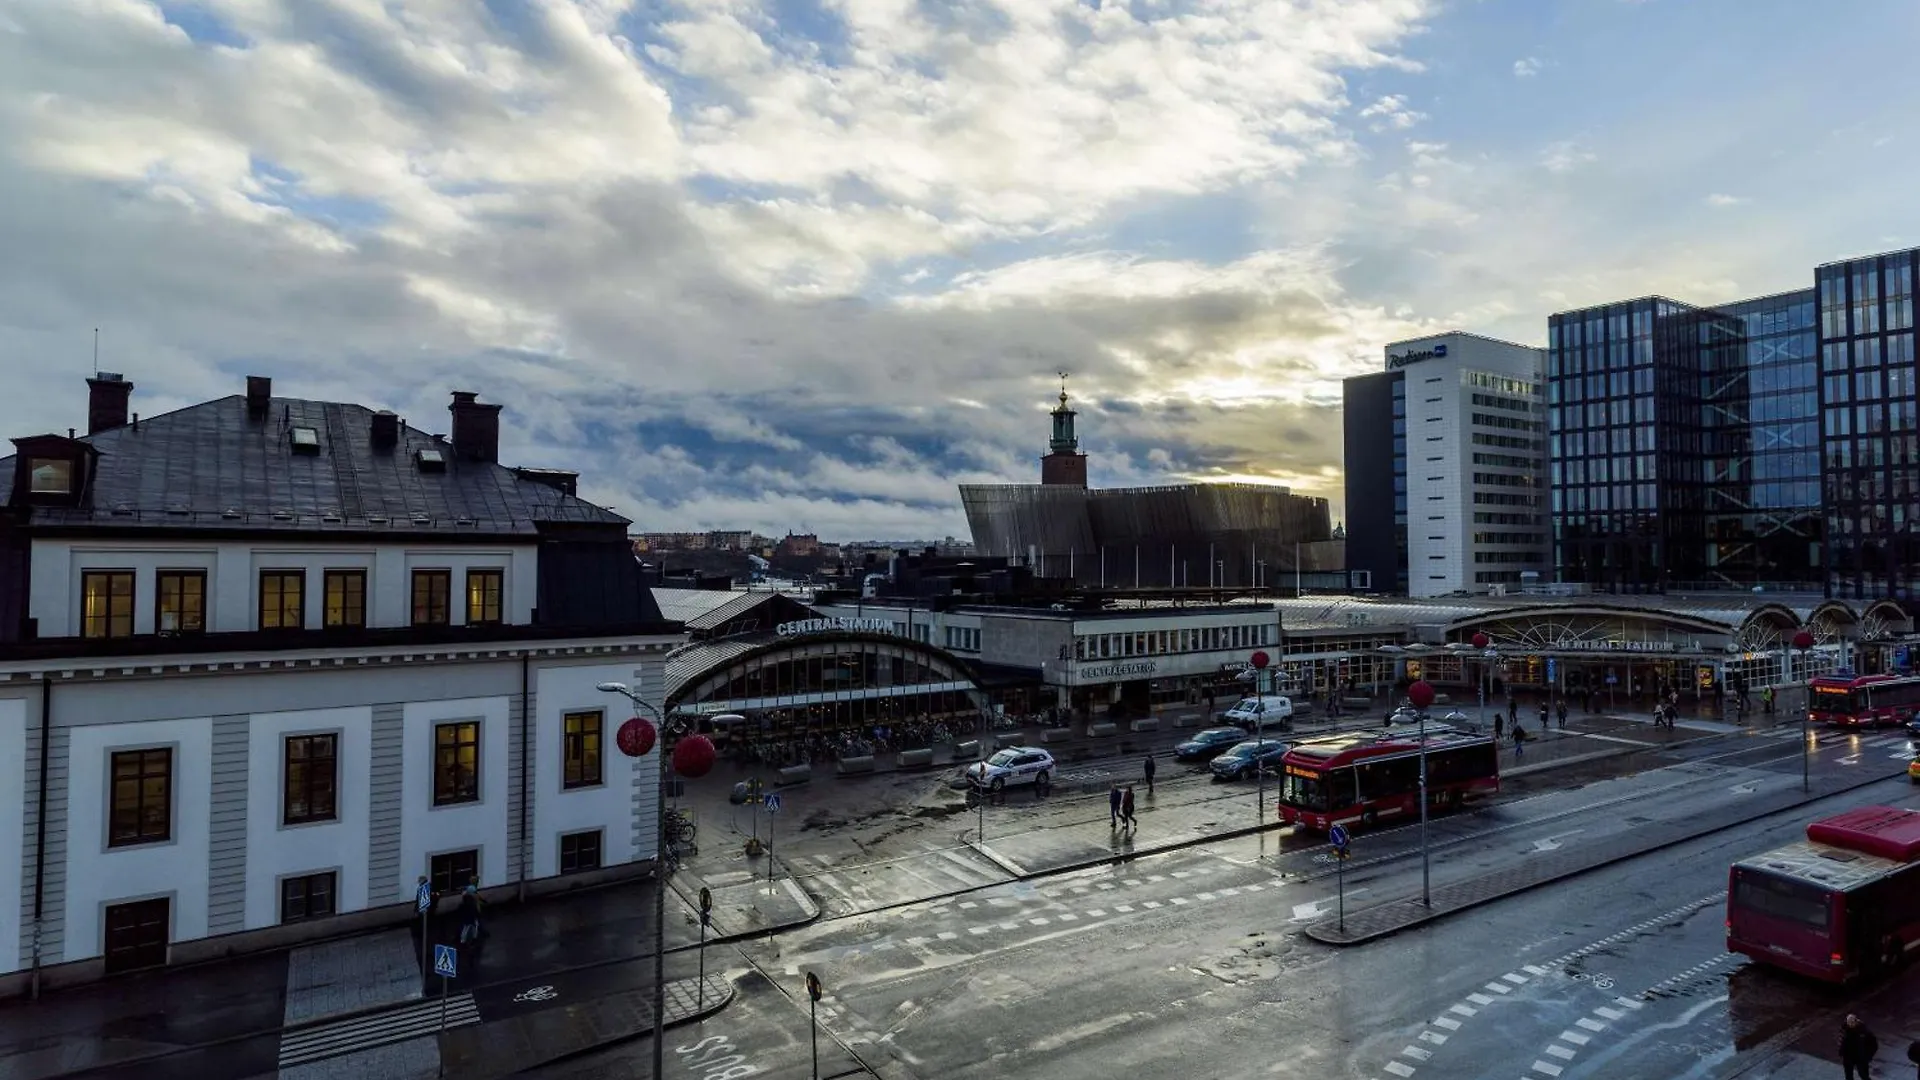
180 600
1168 642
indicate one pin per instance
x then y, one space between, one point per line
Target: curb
745 935
1318 931
622 1040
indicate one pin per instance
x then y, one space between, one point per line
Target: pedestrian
1126 808
1149 772
1499 724
1113 806
1560 707
1519 739
470 915
1857 1048
1543 718
1513 708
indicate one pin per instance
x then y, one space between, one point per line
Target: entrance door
137 935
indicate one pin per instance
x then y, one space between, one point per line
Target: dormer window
50 476
430 459
306 440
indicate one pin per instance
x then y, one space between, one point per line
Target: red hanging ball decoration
636 737
1803 640
1481 641
1260 660
693 756
1421 694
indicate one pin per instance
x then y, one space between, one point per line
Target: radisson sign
1412 356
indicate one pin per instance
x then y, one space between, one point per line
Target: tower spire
1064 440
1064 464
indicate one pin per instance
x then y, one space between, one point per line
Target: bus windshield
1833 699
1304 789
1782 898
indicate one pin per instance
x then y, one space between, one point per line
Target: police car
1012 766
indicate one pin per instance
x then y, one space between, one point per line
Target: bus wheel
1369 819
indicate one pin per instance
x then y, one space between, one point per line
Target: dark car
1253 754
1208 744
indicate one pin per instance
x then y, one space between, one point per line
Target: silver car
1014 765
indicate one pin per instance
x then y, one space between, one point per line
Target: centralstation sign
827 626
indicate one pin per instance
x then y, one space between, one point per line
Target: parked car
1208 744
1245 758
1013 766
1253 713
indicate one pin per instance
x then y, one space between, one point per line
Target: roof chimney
259 396
386 430
107 395
476 428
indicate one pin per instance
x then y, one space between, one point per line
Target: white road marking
1548 1068
1610 1014
1095 913
1519 980
1433 1037
1499 988
1417 1053
1590 1024
1447 1022
1463 1010
1480 999
1399 1068
1575 1037
1561 1052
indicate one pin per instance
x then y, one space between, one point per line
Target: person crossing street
1149 771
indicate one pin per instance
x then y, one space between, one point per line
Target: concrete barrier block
850 765
1057 734
911 758
1102 729
1188 720
965 750
1356 702
1001 742
796 774
1147 723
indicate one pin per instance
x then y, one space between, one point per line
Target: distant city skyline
813 265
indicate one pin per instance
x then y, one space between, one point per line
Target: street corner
739 903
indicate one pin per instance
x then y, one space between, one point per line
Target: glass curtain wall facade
1867 425
1759 405
1400 572
1605 428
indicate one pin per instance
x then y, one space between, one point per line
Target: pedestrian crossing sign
424 898
446 961
773 802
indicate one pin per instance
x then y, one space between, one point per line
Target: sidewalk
1892 1012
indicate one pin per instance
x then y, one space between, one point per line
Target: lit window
483 597
580 752
456 763
283 599
141 809
106 603
430 589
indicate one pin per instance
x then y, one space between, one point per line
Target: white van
1267 709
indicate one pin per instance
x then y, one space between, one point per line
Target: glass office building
1867 406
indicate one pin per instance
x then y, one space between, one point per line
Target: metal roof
213 467
704 609
1832 867
1729 611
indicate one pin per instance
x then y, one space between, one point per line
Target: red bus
1840 905
1366 777
1862 700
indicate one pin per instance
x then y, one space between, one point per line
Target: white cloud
1391 113
1526 67
1721 201
1565 156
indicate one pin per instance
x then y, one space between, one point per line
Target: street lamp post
1480 643
635 738
1421 695
1803 641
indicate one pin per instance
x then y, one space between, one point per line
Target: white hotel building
265 661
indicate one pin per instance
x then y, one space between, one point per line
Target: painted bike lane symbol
537 993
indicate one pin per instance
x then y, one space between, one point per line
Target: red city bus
1365 777
1856 701
1842 904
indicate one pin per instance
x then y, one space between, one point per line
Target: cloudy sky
806 264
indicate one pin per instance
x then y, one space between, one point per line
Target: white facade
233 578
226 718
1475 462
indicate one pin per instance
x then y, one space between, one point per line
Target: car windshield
1251 747
1251 704
1004 757
1220 734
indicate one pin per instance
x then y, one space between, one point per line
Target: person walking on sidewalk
1857 1048
1149 772
1543 718
469 914
1560 708
1113 806
1126 809
1499 724
1519 739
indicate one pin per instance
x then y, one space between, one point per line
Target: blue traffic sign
446 961
424 898
772 801
1553 669
1339 836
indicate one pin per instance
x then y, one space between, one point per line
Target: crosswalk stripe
379 1029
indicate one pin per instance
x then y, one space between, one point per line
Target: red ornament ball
1260 660
693 756
636 737
1803 640
1421 694
1481 641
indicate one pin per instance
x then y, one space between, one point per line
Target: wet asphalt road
1189 964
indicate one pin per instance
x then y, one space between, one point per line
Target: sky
806 265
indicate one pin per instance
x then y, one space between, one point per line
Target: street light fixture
636 738
1480 645
1803 640
1421 695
